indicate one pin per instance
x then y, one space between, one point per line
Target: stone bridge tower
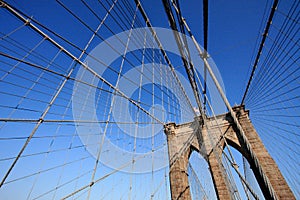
209 141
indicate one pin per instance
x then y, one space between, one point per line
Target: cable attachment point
27 22
204 55
2 4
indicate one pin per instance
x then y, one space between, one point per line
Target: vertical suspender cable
269 191
205 36
188 68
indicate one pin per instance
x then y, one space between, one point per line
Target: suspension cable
265 34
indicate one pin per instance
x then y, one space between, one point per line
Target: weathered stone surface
209 140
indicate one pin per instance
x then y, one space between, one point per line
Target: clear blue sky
233 29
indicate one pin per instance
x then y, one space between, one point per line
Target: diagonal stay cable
108 10
148 23
104 177
204 57
274 6
78 61
271 194
189 68
13 11
112 104
63 75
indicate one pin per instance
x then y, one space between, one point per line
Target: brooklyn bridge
136 99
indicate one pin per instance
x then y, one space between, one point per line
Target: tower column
179 147
179 178
268 165
219 177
